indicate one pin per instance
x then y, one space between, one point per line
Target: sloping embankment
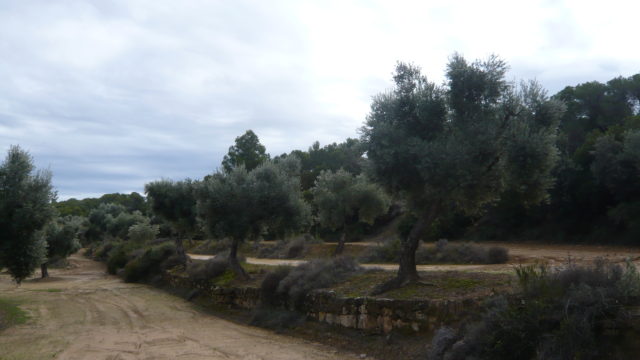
372 314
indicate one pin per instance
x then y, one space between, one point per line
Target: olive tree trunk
234 264
44 270
407 271
340 247
179 241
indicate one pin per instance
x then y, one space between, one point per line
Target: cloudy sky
112 94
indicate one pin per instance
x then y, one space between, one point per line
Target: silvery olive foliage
25 208
143 232
459 146
342 199
175 202
242 205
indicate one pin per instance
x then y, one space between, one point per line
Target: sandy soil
519 252
83 313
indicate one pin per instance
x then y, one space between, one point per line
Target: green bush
102 250
143 232
118 258
149 264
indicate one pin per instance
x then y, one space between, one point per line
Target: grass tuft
11 314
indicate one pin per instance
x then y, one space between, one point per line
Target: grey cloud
111 95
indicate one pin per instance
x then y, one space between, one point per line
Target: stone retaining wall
370 314
384 315
244 298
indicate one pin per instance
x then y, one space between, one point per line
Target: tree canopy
25 208
347 155
247 152
458 147
585 204
175 202
342 199
242 205
61 236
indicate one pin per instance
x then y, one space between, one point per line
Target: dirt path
83 313
519 253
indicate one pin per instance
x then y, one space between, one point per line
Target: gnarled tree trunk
407 271
44 270
234 264
180 249
340 247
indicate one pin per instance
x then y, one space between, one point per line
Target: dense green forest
595 192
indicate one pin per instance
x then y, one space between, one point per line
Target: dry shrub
206 270
316 274
461 253
269 295
577 312
288 285
283 249
295 248
443 252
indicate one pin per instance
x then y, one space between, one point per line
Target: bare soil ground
83 313
520 253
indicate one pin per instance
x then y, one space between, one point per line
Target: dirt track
519 252
83 313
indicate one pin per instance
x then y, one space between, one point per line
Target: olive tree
342 199
61 236
242 205
119 226
143 232
101 219
25 208
459 146
175 202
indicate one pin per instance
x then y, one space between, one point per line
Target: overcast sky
112 94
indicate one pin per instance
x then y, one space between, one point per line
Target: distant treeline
131 202
596 195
